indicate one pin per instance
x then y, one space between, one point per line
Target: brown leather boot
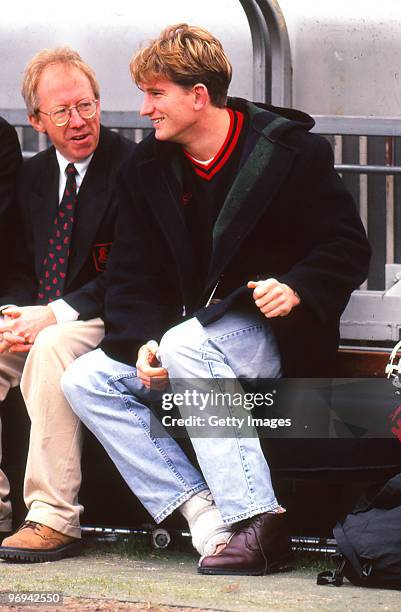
260 546
34 543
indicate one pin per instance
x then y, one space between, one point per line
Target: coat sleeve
88 299
142 297
22 286
10 160
336 252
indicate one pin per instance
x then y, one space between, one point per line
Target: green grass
138 547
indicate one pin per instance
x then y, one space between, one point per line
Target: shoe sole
274 568
32 555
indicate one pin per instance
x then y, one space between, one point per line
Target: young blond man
231 214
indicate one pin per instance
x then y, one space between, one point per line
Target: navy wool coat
287 216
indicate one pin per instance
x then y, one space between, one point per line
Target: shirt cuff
63 312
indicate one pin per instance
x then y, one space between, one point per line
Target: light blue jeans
112 402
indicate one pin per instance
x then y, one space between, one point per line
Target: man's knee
181 341
79 380
86 377
49 339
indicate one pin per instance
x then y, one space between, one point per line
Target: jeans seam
214 339
127 404
117 377
235 518
237 332
237 438
160 450
183 497
244 463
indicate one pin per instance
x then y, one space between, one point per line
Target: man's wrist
63 312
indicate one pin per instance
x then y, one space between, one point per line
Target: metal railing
130 124
367 153
272 65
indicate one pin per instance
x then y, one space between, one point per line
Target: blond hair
185 55
64 56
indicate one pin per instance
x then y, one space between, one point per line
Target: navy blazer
286 216
94 225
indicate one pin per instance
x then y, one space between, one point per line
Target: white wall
346 55
107 32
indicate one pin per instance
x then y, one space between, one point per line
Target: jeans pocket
251 352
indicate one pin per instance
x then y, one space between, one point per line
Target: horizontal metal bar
325 124
371 169
15 116
299 543
364 349
313 544
125 119
148 529
358 126
114 119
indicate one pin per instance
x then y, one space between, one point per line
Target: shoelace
28 525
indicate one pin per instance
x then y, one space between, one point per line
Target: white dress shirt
63 312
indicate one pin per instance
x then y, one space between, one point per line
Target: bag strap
393 367
333 577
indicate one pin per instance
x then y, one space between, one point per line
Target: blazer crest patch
100 253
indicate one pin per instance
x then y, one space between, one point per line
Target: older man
53 305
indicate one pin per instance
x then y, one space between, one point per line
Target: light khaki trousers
53 471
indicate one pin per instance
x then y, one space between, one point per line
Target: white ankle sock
205 523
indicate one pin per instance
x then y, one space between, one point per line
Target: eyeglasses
61 115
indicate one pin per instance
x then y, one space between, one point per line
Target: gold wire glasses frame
61 115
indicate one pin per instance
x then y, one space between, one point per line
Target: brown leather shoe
261 546
34 543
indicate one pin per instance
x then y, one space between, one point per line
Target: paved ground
128 577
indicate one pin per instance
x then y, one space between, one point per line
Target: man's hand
21 325
274 299
8 340
148 368
13 344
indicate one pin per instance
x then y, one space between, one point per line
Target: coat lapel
264 167
163 180
259 179
93 199
43 204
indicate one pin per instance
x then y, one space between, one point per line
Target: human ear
201 96
36 123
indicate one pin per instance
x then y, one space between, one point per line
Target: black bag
369 540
